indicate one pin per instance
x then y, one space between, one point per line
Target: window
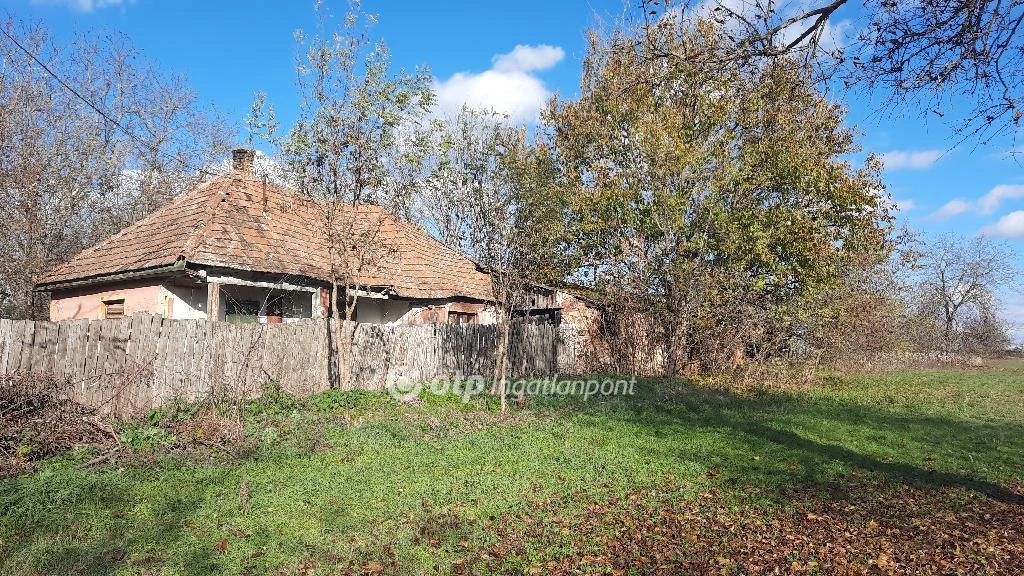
275 309
462 318
242 311
113 308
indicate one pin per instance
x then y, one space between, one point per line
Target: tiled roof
240 222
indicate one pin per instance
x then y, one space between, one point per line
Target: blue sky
230 50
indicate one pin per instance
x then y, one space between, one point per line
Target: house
242 249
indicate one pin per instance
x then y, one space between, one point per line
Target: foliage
357 142
716 199
422 486
146 438
955 285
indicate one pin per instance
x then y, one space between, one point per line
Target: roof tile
237 221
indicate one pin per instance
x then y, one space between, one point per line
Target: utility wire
101 112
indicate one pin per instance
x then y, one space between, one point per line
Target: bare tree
488 196
93 138
937 51
957 282
353 149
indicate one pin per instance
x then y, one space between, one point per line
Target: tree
69 175
957 281
715 196
489 197
355 149
936 51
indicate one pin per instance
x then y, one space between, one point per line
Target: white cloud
524 58
905 204
988 203
900 159
509 87
85 5
984 206
1009 226
952 208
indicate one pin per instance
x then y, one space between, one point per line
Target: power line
98 110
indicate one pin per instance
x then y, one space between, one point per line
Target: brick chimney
242 159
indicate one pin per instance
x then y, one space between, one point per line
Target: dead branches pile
38 420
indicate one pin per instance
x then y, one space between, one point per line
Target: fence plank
41 361
6 341
133 364
27 341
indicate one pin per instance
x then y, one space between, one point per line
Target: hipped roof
240 222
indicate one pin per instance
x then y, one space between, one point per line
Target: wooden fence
130 365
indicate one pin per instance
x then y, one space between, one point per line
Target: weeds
355 482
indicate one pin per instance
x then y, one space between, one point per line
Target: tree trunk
501 358
335 323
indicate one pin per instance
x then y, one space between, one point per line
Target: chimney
242 159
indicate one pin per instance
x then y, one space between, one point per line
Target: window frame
107 302
463 318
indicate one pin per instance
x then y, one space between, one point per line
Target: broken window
242 311
275 309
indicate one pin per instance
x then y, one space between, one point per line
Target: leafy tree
716 196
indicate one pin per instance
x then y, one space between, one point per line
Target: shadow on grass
905 473
774 422
102 537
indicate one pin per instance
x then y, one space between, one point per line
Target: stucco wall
437 312
577 313
381 311
86 303
187 302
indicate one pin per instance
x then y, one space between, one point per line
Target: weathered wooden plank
6 342
41 362
161 390
75 335
187 359
60 359
173 359
104 383
219 356
27 344
207 379
133 398
144 361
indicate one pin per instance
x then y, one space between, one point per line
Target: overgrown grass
357 479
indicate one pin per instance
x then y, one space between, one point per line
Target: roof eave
177 266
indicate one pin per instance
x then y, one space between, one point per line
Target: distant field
896 473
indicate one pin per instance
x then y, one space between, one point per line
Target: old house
241 249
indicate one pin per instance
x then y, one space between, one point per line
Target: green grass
411 484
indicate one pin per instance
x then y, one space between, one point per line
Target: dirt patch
862 529
38 420
206 427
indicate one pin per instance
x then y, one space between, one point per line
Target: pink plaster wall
84 303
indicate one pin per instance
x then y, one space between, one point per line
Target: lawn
914 468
